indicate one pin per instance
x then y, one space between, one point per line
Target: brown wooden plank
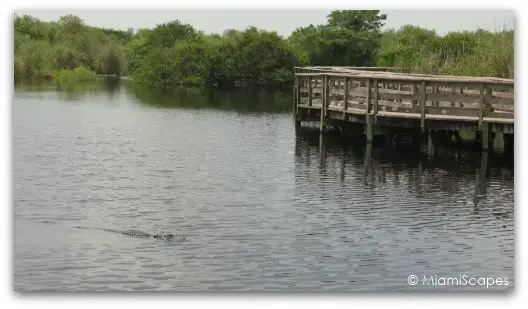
398 109
382 103
385 76
448 97
496 100
452 111
503 95
495 114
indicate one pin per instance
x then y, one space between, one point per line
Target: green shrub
41 48
78 75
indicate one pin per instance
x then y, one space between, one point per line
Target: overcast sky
281 20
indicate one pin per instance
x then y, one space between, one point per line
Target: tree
350 38
71 24
357 20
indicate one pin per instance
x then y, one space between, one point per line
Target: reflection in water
387 162
447 171
111 85
72 92
240 100
446 214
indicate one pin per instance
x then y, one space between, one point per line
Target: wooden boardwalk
382 98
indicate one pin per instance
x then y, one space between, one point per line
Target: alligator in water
137 233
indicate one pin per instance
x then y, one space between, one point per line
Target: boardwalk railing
421 96
341 69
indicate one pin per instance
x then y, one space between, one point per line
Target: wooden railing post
481 106
436 91
367 103
324 102
400 89
309 91
369 125
327 93
414 91
296 97
345 95
453 91
422 104
375 98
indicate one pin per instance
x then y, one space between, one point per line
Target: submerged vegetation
170 54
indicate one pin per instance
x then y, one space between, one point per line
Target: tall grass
477 53
76 76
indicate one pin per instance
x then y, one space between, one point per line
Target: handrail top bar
416 77
344 67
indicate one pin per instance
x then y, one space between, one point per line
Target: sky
284 21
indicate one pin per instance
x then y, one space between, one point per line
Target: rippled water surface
260 207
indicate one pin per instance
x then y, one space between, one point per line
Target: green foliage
34 60
249 57
357 20
44 47
175 53
119 36
111 60
478 53
252 58
350 38
157 69
76 76
149 40
402 48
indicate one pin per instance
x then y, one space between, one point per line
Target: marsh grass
77 76
468 53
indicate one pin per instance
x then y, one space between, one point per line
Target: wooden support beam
430 142
369 128
485 136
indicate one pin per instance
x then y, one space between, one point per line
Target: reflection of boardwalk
384 100
463 177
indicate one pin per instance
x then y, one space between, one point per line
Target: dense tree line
175 53
41 49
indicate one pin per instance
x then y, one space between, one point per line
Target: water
261 207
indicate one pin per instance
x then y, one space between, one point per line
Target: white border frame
405 300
